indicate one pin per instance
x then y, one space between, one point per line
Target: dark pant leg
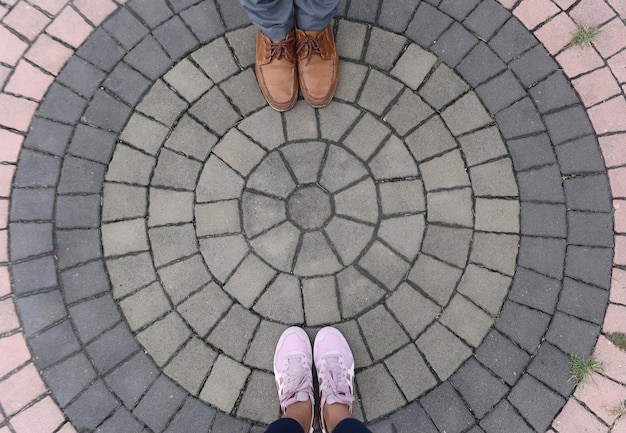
351 425
275 18
314 14
284 425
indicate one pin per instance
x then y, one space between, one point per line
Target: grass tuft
584 35
618 338
582 368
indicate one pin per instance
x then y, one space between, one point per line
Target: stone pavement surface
458 211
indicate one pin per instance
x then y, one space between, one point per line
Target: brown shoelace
311 45
282 48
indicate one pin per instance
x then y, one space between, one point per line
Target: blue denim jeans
276 18
290 425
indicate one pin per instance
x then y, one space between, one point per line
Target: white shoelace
298 379
334 385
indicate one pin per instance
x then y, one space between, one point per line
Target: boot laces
298 376
310 45
334 386
281 49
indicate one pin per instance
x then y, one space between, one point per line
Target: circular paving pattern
393 214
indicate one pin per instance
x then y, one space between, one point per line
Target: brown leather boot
318 65
276 70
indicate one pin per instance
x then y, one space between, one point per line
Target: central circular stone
309 207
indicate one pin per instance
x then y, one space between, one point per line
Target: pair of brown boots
307 59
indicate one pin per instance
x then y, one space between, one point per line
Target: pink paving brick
613 359
592 12
20 389
596 86
618 287
575 418
564 4
617 178
601 395
8 316
557 33
534 12
49 54
52 6
10 145
576 60
4 74
613 149
617 63
620 250
620 214
610 116
612 38
67 428
4 429
5 282
29 81
619 6
620 426
3 11
14 353
615 319
6 178
95 10
16 112
4 243
70 27
42 417
11 47
4 213
26 20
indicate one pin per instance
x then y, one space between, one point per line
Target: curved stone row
543 251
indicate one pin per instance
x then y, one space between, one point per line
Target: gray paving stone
242 42
504 418
121 201
358 202
204 20
254 403
407 112
112 347
188 80
413 311
124 237
301 122
512 40
304 160
543 184
316 256
336 119
81 76
487 18
572 335
444 351
101 50
442 87
69 377
534 65
33 275
92 317
315 312
48 136
80 176
233 15
265 127
590 265
486 288
223 254
448 243
539 219
445 171
568 124
480 65
382 333
172 242
93 407
524 326
106 112
531 152
458 10
551 366
130 165
379 91
121 420
131 379
228 376
410 372
53 344
32 204
593 229
552 93
427 25
356 292
217 218
580 156
162 104
170 207
29 239
185 369
382 425
152 13
124 282
350 39
218 182
40 311
366 136
125 27
351 76
403 234
384 265
538 404
435 134
234 332
184 277
84 281
363 11
272 177
384 48
588 193
413 66
191 138
164 338
380 394
236 150
205 58
282 300
352 333
226 424
454 44
126 83
160 403
466 320
497 215
203 309
478 387
249 280
544 255
348 238
519 119
259 354
466 114
243 91
260 212
453 207
36 169
435 278
175 37
535 290
447 409
77 246
500 92
82 211
92 143
402 197
194 416
392 161
396 17
144 133
63 105
501 356
278 246
145 306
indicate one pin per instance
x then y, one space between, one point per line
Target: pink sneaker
335 369
293 369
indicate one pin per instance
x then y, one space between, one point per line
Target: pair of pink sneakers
334 363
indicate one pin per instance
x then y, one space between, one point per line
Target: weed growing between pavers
584 35
617 338
582 368
618 411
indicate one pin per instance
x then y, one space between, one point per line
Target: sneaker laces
334 387
312 45
281 49
298 379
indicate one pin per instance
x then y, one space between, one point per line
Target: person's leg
284 425
314 14
275 18
351 425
